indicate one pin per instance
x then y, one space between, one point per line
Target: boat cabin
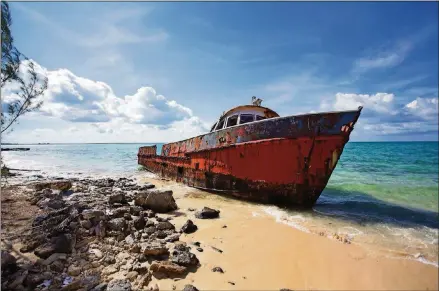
243 114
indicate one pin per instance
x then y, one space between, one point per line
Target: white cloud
426 108
400 128
383 59
92 108
382 116
379 102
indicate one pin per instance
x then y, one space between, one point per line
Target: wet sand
261 254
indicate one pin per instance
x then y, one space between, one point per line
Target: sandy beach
261 254
254 251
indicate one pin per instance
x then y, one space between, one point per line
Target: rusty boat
254 154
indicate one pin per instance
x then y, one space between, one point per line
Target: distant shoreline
72 143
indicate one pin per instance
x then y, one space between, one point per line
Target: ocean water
382 194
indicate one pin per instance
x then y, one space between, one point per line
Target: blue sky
140 72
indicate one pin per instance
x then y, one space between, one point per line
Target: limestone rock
116 198
153 249
62 185
167 267
93 213
117 224
119 285
157 200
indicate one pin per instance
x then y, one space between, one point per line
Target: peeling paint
277 160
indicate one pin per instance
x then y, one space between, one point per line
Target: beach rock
207 213
18 279
184 258
200 250
165 225
141 267
119 285
60 244
157 200
129 240
54 257
100 287
217 270
62 185
136 210
146 186
167 267
120 212
189 227
160 234
154 288
34 279
7 260
144 280
150 230
286 289
149 213
189 287
51 203
173 237
116 198
97 252
231 283
117 224
109 270
74 270
153 249
139 222
86 224
132 275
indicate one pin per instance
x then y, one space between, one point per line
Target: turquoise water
379 192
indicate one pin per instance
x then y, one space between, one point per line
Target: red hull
287 170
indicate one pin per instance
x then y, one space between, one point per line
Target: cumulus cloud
379 102
79 100
426 108
382 115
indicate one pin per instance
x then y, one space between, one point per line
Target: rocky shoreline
104 234
145 233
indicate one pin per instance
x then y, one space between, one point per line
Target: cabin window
258 117
246 118
213 127
232 120
220 124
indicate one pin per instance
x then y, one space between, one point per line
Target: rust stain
284 160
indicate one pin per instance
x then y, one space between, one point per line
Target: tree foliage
19 71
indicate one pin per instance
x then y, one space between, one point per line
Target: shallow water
381 194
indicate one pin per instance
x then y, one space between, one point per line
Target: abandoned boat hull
285 160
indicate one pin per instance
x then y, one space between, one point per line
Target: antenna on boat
256 101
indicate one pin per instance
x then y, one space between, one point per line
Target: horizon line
49 143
